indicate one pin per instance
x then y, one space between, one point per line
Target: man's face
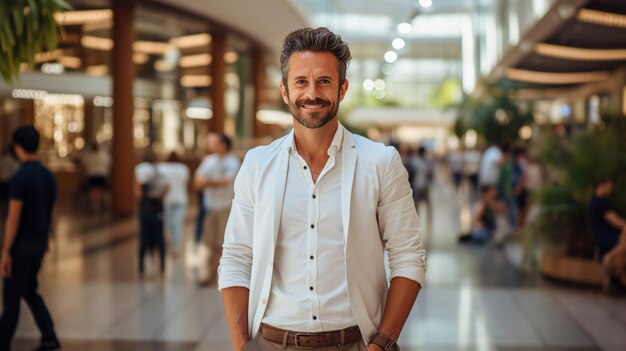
313 92
213 143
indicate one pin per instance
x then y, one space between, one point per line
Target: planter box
574 270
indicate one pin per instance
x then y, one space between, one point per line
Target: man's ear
343 89
284 92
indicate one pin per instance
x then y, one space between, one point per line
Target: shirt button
312 226
312 257
314 196
305 167
314 318
311 288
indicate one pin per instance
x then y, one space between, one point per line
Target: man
32 192
216 175
96 163
490 165
423 171
609 234
312 216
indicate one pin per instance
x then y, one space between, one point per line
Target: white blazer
378 215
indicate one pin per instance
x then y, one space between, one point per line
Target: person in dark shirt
609 234
32 192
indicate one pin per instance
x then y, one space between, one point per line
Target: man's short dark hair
27 137
315 40
601 181
224 139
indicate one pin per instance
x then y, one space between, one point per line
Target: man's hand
5 265
374 347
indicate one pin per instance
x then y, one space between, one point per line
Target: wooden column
123 202
258 80
217 71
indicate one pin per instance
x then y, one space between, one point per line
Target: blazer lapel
279 178
348 166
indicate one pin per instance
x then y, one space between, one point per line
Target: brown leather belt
310 340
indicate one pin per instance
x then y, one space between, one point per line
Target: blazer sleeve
236 262
398 223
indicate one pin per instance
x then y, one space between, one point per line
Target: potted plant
561 229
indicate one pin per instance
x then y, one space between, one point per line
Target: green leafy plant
495 116
26 27
574 165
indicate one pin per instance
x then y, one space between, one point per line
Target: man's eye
325 81
300 82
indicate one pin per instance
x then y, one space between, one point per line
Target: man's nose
312 91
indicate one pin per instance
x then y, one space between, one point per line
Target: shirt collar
333 149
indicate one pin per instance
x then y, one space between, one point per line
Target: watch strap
382 340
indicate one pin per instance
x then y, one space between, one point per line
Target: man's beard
312 120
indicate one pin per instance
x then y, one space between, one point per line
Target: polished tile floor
474 297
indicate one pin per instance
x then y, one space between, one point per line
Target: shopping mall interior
542 83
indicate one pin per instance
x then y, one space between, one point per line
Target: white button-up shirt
309 293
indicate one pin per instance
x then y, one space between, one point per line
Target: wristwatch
385 342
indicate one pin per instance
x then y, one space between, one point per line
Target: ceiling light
379 84
192 41
397 43
70 61
570 53
230 57
163 66
151 47
405 28
96 43
199 112
556 78
82 17
425 3
140 59
368 84
274 117
195 81
608 19
391 56
195 60
387 69
97 70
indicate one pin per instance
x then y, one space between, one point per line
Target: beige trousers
259 344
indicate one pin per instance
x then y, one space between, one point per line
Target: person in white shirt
490 166
96 163
313 214
471 167
176 175
216 175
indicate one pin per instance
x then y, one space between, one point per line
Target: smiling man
313 214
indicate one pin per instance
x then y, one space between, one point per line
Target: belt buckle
296 341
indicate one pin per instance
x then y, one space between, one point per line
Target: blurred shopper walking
216 175
422 175
490 166
471 168
8 166
520 185
96 163
609 234
32 193
176 175
150 189
484 218
455 161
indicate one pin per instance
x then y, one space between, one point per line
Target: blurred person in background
150 190
314 211
201 201
422 175
609 235
176 175
484 217
215 176
8 166
471 168
520 187
32 193
96 164
455 161
505 185
490 164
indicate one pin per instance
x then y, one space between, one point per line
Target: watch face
394 347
